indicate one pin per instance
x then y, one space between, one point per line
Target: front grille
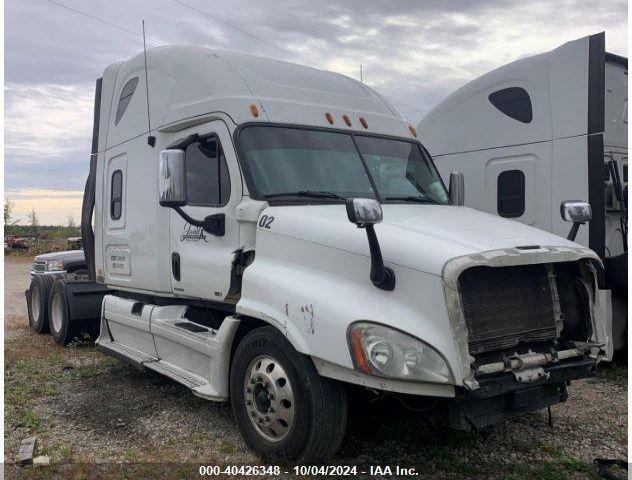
504 306
39 266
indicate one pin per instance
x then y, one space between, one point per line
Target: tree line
32 228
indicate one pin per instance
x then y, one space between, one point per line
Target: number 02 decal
265 221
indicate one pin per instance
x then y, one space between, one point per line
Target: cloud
414 53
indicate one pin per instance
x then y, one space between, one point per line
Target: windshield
331 166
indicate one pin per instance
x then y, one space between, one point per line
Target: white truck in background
277 233
541 130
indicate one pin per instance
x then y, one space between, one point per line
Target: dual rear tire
48 308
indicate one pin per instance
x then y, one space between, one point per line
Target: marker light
254 110
347 120
363 122
387 352
329 118
413 130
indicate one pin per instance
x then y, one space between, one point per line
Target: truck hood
67 256
422 237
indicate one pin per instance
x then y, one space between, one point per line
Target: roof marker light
329 118
413 130
254 110
347 120
363 122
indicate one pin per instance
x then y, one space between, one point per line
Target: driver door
201 262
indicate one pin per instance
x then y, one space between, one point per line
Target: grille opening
509 309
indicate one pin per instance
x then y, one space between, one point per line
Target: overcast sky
413 52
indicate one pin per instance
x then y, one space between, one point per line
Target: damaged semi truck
278 233
541 130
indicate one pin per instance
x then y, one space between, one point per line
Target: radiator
504 306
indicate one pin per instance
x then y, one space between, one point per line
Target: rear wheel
285 410
61 328
37 303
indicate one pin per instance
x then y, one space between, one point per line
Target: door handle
175 266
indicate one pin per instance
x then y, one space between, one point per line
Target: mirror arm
381 276
213 224
573 233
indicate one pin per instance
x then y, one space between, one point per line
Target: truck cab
269 234
536 132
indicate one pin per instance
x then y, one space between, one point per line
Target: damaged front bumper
501 396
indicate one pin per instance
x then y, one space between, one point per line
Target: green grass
30 420
613 374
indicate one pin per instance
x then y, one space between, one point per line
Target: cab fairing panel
187 82
145 224
557 82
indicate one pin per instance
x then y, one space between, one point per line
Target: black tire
320 404
61 328
37 303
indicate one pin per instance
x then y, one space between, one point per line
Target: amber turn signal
254 110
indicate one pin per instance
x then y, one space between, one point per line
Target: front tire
285 410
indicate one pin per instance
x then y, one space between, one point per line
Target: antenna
361 74
151 140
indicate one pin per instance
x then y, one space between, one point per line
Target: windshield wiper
307 193
413 198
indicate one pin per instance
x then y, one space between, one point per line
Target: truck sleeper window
116 195
208 182
285 160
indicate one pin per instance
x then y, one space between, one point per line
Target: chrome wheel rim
269 398
56 312
35 304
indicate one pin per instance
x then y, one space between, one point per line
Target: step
127 354
187 379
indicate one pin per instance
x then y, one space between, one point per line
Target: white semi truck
277 233
541 130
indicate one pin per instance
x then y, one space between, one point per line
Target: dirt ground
96 417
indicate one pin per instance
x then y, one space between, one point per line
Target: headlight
386 352
53 265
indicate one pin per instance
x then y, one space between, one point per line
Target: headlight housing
387 352
54 265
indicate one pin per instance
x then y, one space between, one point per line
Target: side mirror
365 213
577 212
457 189
172 185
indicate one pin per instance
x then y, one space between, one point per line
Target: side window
511 193
208 182
126 96
116 192
513 102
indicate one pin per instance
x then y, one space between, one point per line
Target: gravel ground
99 418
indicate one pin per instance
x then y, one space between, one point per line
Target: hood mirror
577 212
172 186
365 213
457 189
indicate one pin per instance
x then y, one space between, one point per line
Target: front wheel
285 410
